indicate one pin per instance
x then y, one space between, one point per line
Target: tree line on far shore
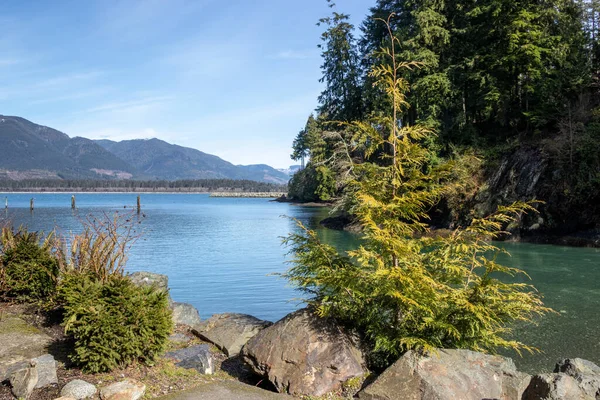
188 185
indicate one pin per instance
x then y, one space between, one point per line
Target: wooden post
31 204
6 202
139 206
73 202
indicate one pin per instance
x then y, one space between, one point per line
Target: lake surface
220 254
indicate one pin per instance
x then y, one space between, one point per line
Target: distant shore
221 193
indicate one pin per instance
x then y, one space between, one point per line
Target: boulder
19 341
46 368
179 338
230 332
448 375
304 354
158 281
198 357
23 380
128 389
185 314
554 387
585 372
78 390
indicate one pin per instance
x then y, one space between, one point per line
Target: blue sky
235 78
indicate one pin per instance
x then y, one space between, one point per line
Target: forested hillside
29 151
509 88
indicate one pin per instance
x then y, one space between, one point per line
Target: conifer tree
401 288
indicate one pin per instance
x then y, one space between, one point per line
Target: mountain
32 151
28 150
163 160
291 170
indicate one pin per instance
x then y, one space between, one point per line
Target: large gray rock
128 389
19 341
198 357
151 279
78 390
225 390
46 369
230 332
554 387
304 354
585 372
179 338
448 375
185 314
23 380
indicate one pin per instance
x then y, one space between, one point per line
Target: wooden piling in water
139 206
73 202
31 204
6 202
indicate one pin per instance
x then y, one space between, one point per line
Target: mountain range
32 151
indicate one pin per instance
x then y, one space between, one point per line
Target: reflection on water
219 254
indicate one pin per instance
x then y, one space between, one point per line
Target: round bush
28 270
114 322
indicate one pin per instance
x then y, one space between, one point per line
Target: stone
230 332
304 354
448 375
143 278
46 368
23 380
554 387
225 390
78 389
64 398
585 372
185 314
198 357
20 341
576 366
179 338
128 389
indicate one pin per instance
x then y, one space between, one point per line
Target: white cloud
72 96
118 134
8 61
132 105
69 79
295 54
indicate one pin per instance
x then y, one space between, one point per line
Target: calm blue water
219 252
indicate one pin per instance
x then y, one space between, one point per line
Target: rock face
23 380
142 278
196 357
304 354
554 387
230 332
46 368
448 375
19 341
586 373
78 389
185 314
128 389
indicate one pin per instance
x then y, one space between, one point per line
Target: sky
234 78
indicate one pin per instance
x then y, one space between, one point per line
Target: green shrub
114 322
28 268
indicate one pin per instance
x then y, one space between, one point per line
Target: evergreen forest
508 88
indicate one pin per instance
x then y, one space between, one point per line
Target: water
220 254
